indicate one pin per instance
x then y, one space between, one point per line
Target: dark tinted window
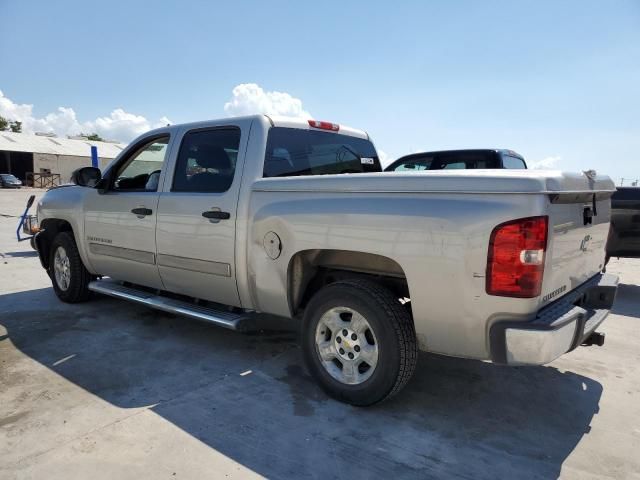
628 193
513 162
294 152
207 160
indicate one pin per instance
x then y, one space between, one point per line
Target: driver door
120 223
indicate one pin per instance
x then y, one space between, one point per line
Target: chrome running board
222 318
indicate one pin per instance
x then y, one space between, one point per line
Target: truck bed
436 227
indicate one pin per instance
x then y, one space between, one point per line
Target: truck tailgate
579 216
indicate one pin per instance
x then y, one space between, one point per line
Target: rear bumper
558 328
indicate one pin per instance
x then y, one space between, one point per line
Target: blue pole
24 217
94 156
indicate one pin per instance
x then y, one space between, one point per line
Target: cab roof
503 151
274 121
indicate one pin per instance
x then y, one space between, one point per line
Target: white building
21 153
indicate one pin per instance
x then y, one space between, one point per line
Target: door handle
142 211
216 214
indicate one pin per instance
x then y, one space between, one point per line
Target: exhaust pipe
596 338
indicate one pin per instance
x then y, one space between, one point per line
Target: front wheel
359 342
68 274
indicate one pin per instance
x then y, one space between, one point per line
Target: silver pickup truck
228 220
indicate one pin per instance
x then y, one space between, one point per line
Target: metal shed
22 153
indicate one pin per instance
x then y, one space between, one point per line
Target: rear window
296 152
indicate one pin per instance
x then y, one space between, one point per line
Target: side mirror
86 176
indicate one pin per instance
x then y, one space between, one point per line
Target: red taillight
515 263
334 127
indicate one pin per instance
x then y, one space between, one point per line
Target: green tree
16 126
95 137
4 124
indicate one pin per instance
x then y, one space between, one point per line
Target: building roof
25 142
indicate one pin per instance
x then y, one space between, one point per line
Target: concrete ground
111 390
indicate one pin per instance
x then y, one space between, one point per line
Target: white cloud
246 99
547 163
250 98
63 122
122 125
118 125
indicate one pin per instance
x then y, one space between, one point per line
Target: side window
455 166
207 160
141 171
512 162
414 165
465 160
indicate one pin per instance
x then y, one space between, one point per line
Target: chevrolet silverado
227 220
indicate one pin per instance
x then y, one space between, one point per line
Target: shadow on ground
27 254
456 419
627 300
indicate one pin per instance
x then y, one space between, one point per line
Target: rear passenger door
195 232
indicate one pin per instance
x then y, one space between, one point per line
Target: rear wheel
68 274
359 342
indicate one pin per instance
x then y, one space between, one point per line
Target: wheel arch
50 227
310 270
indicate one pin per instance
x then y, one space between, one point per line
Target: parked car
295 219
9 181
624 237
458 159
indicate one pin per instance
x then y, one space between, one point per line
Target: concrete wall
64 164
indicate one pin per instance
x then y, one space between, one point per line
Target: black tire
394 333
79 277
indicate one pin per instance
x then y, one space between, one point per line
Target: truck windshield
295 152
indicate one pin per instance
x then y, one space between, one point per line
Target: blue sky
552 80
